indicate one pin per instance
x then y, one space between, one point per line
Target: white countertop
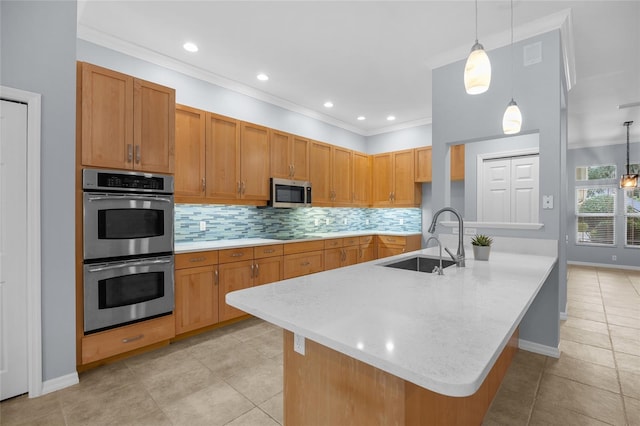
246 242
443 333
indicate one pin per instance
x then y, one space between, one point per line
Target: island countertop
440 332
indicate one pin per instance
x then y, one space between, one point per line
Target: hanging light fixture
477 70
512 118
628 180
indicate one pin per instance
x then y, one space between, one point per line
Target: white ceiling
375 58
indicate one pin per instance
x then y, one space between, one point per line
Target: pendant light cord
476 21
512 50
628 123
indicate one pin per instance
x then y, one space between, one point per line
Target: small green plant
481 240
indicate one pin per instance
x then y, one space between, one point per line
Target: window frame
612 215
627 216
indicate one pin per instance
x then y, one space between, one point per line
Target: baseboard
538 348
604 265
564 316
60 383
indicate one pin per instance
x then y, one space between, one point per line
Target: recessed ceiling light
328 104
391 117
362 117
262 77
190 47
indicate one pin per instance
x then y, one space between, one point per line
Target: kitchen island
389 346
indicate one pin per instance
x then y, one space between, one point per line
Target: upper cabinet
191 124
254 162
457 162
394 180
330 170
125 122
424 160
223 157
289 156
361 179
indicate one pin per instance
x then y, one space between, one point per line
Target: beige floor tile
587 353
99 381
558 416
173 384
628 346
631 313
157 418
584 372
255 417
628 362
274 407
587 400
216 405
624 332
509 408
268 344
595 307
632 407
587 314
623 321
25 410
588 325
584 299
260 382
584 336
249 329
630 382
529 359
229 360
164 361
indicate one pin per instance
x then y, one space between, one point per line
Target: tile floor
233 376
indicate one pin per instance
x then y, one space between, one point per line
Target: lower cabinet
366 248
303 258
391 245
234 276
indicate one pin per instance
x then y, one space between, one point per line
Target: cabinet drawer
336 242
350 241
124 339
235 255
267 251
393 240
303 247
200 258
366 239
296 265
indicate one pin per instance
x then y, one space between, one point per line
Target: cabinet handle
391 240
394 196
290 170
138 154
293 170
361 254
238 187
243 187
390 196
253 270
216 277
268 251
197 259
344 255
239 254
305 264
203 185
132 339
257 270
129 153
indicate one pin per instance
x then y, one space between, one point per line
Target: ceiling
375 58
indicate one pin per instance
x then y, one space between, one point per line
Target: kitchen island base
326 387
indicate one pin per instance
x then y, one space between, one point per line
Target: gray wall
458 117
614 154
38 54
401 139
210 97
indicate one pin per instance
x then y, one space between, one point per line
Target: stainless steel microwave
290 193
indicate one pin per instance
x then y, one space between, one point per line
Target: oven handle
129 197
121 265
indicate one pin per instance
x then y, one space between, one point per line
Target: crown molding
400 126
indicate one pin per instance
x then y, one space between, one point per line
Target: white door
496 195
13 249
524 189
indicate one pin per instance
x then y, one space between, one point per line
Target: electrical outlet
366 221
401 221
327 222
316 222
346 221
298 343
203 225
614 257
470 231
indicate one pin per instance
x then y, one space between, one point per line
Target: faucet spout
459 258
437 269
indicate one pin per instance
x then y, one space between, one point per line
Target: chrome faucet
459 257
437 269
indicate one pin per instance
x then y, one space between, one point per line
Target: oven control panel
117 180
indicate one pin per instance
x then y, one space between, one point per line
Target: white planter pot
481 252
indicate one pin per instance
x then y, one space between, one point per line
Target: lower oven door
119 293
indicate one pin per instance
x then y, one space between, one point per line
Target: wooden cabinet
289 156
254 162
196 291
125 122
390 245
366 248
330 170
303 258
268 264
233 276
394 180
340 252
361 179
191 125
424 163
222 157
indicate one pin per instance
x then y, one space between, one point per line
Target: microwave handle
129 197
127 264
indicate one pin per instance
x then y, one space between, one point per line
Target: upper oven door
118 224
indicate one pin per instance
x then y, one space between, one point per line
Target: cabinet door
106 117
254 162
154 127
349 256
223 157
300 158
296 265
404 191
190 151
196 298
386 251
280 154
341 172
366 252
233 276
319 170
423 164
457 162
268 270
361 179
332 258
382 171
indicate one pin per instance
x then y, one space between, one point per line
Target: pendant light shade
512 119
477 70
628 180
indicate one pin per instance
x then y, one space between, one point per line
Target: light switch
547 202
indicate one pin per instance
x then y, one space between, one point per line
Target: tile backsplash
230 222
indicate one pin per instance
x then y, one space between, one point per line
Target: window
586 173
632 216
595 211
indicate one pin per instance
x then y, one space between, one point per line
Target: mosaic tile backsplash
225 222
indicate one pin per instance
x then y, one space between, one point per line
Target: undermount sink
420 264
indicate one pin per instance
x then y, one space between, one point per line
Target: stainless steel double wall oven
128 247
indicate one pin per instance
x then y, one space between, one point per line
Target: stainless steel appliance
128 247
290 193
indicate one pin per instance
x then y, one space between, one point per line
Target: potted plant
481 246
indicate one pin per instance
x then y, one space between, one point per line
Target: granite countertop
189 247
441 332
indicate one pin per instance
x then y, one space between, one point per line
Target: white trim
538 348
59 383
604 265
400 126
34 279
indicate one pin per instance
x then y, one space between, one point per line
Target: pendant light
512 118
628 180
477 70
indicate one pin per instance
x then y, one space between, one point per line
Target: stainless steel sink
420 264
